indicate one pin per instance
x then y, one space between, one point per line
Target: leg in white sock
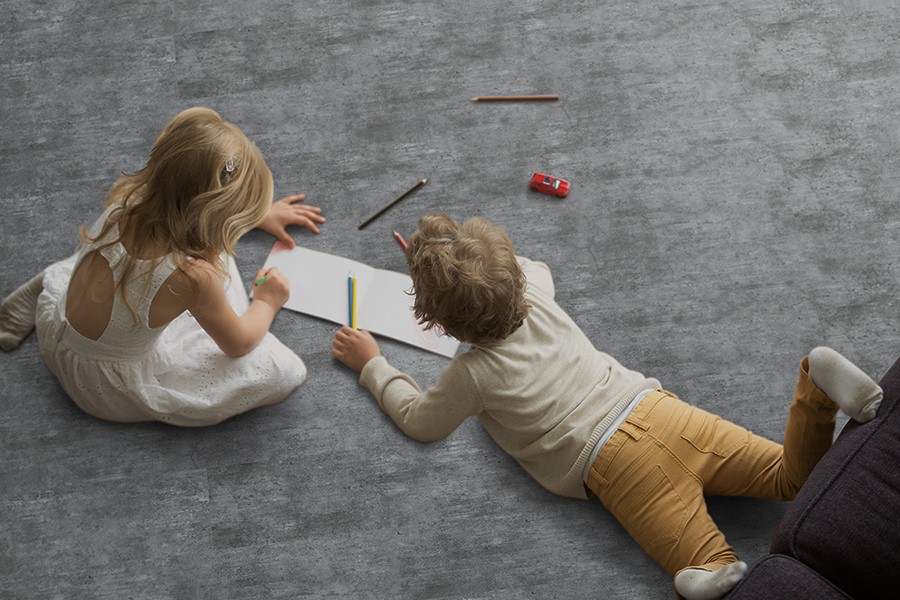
854 391
695 583
17 313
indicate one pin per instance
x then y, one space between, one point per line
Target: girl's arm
236 335
424 416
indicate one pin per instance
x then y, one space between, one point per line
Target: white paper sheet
384 302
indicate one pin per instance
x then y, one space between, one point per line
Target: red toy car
549 185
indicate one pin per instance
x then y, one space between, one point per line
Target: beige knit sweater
545 394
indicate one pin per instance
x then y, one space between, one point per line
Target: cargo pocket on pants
711 434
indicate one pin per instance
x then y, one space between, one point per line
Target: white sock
17 313
854 391
701 584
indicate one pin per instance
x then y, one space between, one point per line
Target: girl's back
132 319
92 308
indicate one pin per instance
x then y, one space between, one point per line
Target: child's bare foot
854 391
17 313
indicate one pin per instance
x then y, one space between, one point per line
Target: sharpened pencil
540 98
416 186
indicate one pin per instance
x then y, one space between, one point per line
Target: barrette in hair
229 165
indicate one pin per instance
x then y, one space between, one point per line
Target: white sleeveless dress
176 373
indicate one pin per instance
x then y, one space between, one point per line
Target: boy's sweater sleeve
424 416
538 275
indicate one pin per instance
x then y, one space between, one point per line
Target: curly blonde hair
466 279
204 186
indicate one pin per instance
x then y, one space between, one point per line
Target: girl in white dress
149 320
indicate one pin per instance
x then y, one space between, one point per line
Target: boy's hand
354 347
275 290
289 211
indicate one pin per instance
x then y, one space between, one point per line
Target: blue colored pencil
350 300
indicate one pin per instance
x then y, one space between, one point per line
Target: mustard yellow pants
654 471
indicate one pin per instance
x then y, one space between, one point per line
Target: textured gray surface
734 167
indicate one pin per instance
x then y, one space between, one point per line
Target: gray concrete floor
734 172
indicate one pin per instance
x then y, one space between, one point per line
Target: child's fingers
353 348
285 238
346 337
297 198
341 337
313 213
272 279
304 222
296 203
357 333
310 212
306 217
341 344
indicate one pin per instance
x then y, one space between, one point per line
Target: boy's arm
424 416
538 275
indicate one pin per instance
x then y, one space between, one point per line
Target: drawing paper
384 302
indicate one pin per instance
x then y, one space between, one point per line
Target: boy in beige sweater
578 421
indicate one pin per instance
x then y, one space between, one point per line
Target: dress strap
139 290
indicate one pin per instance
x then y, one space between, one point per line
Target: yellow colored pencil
353 318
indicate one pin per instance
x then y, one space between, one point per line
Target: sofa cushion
779 577
843 523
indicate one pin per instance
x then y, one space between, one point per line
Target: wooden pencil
416 186
544 98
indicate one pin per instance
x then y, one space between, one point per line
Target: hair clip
229 165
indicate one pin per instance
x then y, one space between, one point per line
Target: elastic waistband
652 397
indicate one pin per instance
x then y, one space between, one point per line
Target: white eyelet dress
175 374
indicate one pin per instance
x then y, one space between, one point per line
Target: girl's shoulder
199 272
198 278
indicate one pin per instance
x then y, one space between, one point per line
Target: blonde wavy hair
466 279
204 186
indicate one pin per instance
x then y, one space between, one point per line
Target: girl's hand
274 290
354 347
289 211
